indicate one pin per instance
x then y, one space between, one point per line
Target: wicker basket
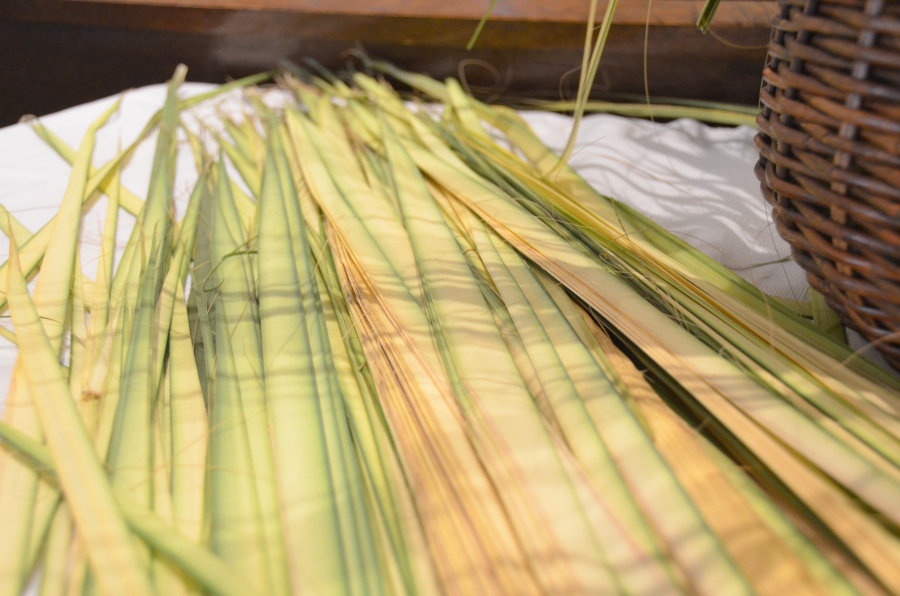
829 146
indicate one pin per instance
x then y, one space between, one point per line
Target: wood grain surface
745 13
58 53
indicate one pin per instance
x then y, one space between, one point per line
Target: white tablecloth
694 180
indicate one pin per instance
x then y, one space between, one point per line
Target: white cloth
694 180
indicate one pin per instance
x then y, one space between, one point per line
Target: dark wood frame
57 53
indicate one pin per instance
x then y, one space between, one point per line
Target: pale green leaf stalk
567 180
293 406
175 276
245 205
869 430
100 315
203 160
129 201
392 107
190 426
233 226
646 474
109 370
201 340
9 222
247 81
110 391
655 110
588 73
108 398
156 216
78 333
463 109
79 571
130 456
197 562
418 394
425 130
201 304
828 321
634 556
18 484
239 136
752 338
311 214
153 222
82 478
511 438
248 170
464 560
103 354
481 25
100 300
827 576
425 84
162 178
166 578
392 239
236 534
54 572
99 178
10 225
308 96
578 319
363 124
375 168
33 250
393 376
392 504
770 564
714 381
779 356
122 297
463 231
706 15
574 387
708 578
356 524
255 144
236 312
47 502
162 448
347 477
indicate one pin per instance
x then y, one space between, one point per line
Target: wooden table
57 53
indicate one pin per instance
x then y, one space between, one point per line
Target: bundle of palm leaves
385 352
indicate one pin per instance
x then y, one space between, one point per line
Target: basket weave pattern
829 146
